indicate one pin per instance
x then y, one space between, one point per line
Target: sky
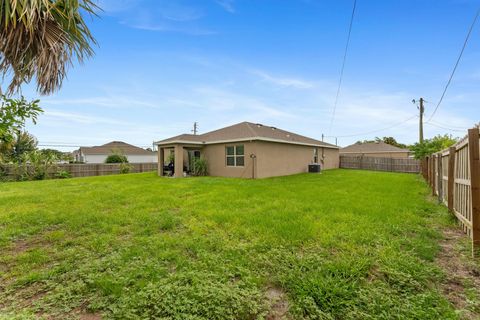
161 65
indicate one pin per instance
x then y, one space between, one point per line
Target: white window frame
235 156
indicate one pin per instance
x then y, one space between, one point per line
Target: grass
340 245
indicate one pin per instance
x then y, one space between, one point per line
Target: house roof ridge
248 131
251 129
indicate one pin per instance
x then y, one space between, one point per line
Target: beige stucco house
247 150
99 154
375 149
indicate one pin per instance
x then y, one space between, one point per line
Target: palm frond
41 39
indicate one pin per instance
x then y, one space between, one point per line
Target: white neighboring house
99 154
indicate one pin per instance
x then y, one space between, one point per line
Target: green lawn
340 245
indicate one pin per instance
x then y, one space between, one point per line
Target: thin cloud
159 16
81 118
110 102
227 5
166 28
284 81
223 100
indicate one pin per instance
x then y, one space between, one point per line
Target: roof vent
259 125
273 128
288 136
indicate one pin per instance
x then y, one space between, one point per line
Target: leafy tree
40 38
393 142
388 140
58 154
14 150
13 114
430 146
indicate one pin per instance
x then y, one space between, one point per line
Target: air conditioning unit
314 168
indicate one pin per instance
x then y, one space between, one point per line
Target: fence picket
88 170
455 174
474 160
406 165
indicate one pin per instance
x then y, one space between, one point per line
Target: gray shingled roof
372 147
107 148
246 131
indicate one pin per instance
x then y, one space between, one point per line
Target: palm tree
13 151
41 38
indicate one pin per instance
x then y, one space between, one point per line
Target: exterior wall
271 159
379 155
279 159
216 159
100 158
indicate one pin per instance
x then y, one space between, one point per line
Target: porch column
178 161
161 160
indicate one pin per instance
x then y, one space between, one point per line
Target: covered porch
176 159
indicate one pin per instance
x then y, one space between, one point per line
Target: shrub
200 167
3 172
116 158
125 168
35 165
63 174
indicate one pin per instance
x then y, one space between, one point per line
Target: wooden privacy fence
406 165
88 170
454 175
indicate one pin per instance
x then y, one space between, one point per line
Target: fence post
474 158
432 175
430 170
427 169
440 177
451 177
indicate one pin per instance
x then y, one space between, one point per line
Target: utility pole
322 137
195 128
421 108
420 130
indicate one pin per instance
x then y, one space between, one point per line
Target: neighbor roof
372 147
107 148
246 131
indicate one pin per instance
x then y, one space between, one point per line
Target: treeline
29 162
420 150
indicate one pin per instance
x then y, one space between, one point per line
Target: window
235 156
315 155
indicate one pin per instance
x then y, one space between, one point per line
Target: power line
456 65
373 131
343 65
448 126
445 128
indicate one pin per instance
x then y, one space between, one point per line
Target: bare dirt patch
82 313
90 316
462 273
278 303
